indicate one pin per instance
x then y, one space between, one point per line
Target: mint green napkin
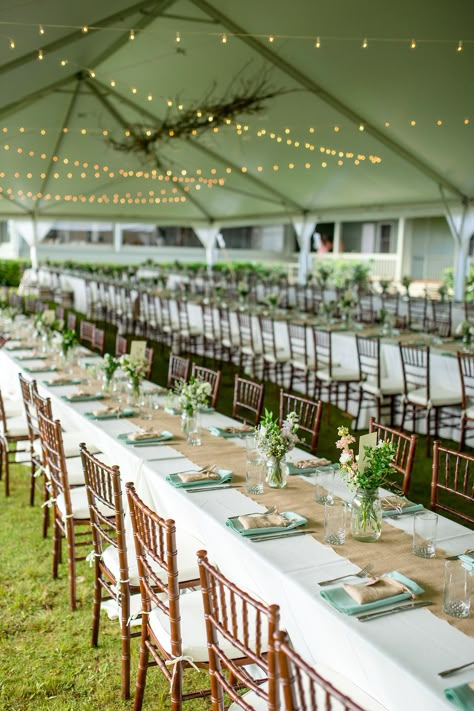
461 696
342 601
467 562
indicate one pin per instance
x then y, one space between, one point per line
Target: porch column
304 231
461 224
208 238
117 237
336 242
400 248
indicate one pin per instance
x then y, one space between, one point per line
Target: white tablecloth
395 660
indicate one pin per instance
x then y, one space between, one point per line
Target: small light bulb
318 42
169 102
149 97
63 62
92 74
460 47
361 127
178 37
365 43
412 123
224 39
271 38
132 34
40 54
12 44
41 30
413 44
112 82
85 29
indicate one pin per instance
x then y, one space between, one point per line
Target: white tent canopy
377 114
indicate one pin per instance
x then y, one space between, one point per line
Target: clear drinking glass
335 515
457 589
193 430
424 534
324 485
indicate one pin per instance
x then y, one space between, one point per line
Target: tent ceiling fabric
303 155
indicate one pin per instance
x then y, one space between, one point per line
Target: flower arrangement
68 340
273 440
406 283
135 368
465 329
109 366
193 394
378 462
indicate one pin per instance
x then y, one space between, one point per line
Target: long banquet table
395 660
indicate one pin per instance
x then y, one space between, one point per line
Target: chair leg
428 432
96 605
56 546
4 464
71 564
32 482
125 630
463 433
359 409
142 669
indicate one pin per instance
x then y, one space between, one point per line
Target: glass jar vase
366 515
277 472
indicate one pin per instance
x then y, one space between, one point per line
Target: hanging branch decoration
248 98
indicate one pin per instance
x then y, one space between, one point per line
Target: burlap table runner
393 551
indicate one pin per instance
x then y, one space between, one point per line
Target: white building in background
419 246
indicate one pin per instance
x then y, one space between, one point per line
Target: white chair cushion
79 504
71 442
13 408
301 365
17 427
193 629
387 387
256 703
339 374
187 546
279 357
439 397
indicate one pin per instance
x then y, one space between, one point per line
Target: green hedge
11 271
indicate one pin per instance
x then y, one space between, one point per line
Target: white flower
345 458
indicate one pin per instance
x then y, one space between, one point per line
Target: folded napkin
63 381
206 475
461 696
237 430
311 463
377 589
339 598
263 520
39 368
79 394
144 435
398 505
107 411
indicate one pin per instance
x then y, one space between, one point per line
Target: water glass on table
457 589
425 525
254 467
335 515
324 485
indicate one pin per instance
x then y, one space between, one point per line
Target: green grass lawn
46 661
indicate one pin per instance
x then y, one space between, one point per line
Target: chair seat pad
301 365
193 629
17 427
71 442
80 504
187 546
254 701
278 357
13 408
387 387
439 397
339 374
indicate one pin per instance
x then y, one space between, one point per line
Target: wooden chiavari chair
405 450
71 321
301 364
86 332
249 350
240 631
173 630
98 340
452 483
247 405
115 570
121 345
213 377
329 374
302 687
425 401
374 388
13 433
274 358
309 417
466 373
178 369
70 506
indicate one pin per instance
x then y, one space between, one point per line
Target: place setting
110 412
206 478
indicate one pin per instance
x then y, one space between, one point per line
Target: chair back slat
248 401
213 377
405 450
309 416
368 351
178 369
249 625
415 366
302 688
452 483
